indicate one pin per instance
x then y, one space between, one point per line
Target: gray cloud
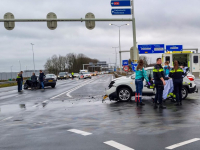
166 21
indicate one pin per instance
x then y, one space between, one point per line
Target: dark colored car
63 75
49 80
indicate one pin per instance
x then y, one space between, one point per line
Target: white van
186 58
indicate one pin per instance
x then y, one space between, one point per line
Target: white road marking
118 145
45 101
183 143
68 93
8 96
79 132
7 118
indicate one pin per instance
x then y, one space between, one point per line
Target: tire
184 92
53 86
25 86
124 94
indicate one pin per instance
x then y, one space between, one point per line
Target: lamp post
20 65
119 43
115 57
33 57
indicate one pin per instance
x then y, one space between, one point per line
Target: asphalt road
73 117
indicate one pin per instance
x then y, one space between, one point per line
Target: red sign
126 68
116 3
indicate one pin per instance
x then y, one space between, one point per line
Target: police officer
158 74
72 75
177 75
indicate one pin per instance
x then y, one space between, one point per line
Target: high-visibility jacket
19 79
72 73
158 72
176 74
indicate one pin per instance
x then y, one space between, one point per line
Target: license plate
50 80
105 97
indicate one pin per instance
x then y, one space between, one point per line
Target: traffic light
9 25
90 24
52 25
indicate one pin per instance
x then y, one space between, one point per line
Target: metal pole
135 52
33 57
20 65
120 53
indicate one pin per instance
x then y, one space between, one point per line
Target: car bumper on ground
193 90
111 93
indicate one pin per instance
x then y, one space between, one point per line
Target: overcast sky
157 22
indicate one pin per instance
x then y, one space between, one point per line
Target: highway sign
134 67
126 11
174 47
151 48
124 62
126 68
120 3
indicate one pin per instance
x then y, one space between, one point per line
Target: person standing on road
158 75
18 79
21 73
140 75
177 75
72 75
34 81
41 79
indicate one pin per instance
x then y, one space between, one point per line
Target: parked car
49 80
123 88
84 75
63 75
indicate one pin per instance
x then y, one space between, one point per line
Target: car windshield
62 73
50 76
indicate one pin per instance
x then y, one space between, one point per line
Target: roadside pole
135 52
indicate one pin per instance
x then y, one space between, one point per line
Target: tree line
70 63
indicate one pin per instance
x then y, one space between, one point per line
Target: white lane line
79 132
65 92
118 145
45 101
6 118
72 90
182 143
8 96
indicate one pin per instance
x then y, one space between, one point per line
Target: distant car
75 75
49 80
63 75
84 75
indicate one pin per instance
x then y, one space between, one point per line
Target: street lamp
115 57
119 43
20 65
33 57
11 71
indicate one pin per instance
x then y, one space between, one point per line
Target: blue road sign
120 3
174 48
124 62
134 66
151 48
126 11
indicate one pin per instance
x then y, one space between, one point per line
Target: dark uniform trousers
178 83
159 91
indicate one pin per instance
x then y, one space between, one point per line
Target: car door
147 88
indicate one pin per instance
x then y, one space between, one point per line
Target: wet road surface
73 117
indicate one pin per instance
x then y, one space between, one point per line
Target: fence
13 75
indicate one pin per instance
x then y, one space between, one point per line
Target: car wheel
184 93
53 86
124 94
25 86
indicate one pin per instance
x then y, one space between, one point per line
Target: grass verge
7 85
